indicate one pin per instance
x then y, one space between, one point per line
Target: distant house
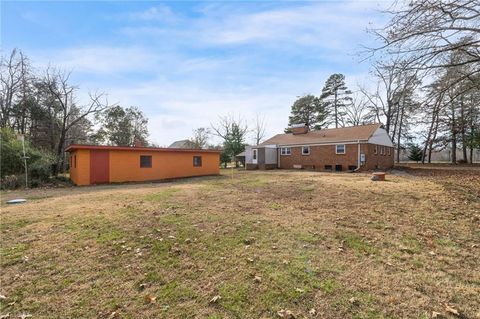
183 144
93 164
340 149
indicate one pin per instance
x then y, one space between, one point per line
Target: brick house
364 147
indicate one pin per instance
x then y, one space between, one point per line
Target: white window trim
344 149
305 154
285 148
375 150
389 151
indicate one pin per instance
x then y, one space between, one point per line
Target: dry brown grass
337 243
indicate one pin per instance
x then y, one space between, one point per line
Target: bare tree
356 112
426 32
14 79
233 130
226 124
56 83
200 137
259 128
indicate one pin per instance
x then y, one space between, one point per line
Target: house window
286 151
197 161
340 149
145 161
305 150
375 150
389 150
254 154
383 150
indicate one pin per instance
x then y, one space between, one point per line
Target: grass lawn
258 245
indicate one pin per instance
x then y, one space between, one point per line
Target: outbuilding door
99 166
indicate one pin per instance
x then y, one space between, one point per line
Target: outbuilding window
145 161
285 151
305 150
340 149
375 150
197 161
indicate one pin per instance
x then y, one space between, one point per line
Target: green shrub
9 182
12 162
40 170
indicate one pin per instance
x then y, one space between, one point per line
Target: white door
254 156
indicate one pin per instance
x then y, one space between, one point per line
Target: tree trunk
435 132
336 110
454 135
462 130
400 134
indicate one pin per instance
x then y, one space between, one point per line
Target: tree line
43 106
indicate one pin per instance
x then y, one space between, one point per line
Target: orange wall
125 165
80 175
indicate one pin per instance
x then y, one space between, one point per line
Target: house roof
344 134
182 144
74 147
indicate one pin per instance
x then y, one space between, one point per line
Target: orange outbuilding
90 164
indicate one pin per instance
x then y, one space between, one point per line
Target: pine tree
336 98
308 110
416 153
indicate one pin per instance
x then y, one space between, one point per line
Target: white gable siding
380 137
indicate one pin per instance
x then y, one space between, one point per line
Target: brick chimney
299 129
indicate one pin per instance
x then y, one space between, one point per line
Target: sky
186 63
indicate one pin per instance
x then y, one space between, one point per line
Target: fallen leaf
5 316
451 310
257 279
299 290
354 301
3 297
150 299
25 316
312 311
286 314
215 299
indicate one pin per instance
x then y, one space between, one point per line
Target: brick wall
381 160
325 155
